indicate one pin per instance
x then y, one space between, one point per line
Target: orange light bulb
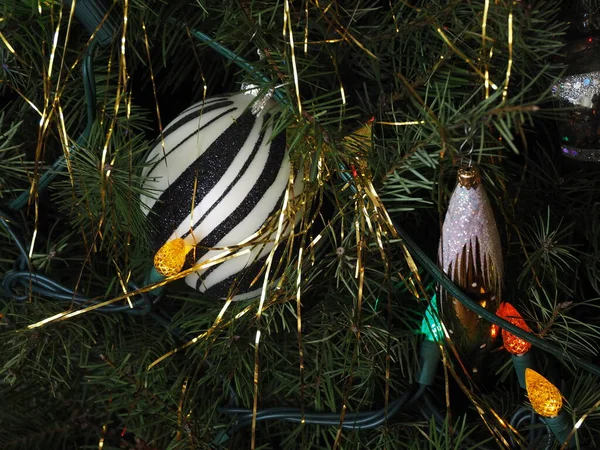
545 398
170 258
512 343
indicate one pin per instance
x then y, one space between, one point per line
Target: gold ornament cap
545 398
469 177
170 258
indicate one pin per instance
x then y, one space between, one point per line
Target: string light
546 400
170 258
431 326
516 346
512 343
430 353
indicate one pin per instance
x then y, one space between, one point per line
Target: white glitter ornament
577 93
579 132
471 255
218 176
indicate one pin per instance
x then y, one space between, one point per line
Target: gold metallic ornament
356 143
170 258
545 398
471 255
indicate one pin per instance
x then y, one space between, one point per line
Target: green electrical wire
359 420
458 294
429 265
40 284
46 286
59 165
6 221
241 62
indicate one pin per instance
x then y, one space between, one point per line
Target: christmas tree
310 224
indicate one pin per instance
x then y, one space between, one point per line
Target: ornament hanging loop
468 145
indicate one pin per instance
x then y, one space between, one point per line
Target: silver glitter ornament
471 255
578 93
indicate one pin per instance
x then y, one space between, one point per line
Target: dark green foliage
417 67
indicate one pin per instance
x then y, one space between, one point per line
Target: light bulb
170 258
431 326
545 398
430 353
512 343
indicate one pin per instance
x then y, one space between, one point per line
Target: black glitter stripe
187 116
196 131
243 170
194 256
175 202
243 279
206 102
265 180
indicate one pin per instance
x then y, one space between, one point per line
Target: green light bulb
431 326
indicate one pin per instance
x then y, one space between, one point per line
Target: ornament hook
468 142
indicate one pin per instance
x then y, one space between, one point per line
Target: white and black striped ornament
220 159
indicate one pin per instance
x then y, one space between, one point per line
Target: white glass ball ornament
214 178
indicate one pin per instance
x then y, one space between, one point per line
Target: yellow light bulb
170 258
545 398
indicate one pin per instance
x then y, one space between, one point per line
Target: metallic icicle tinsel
471 255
